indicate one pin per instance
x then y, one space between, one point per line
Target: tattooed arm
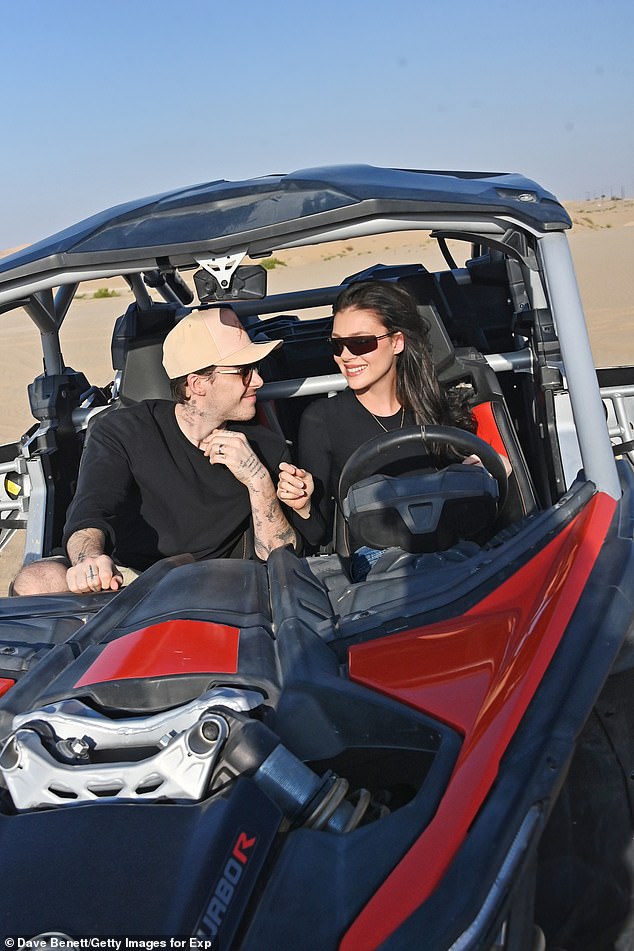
270 528
91 569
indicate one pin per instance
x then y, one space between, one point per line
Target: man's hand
91 570
232 449
94 574
295 488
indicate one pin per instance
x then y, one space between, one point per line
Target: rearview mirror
247 283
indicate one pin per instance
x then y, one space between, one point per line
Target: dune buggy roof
262 214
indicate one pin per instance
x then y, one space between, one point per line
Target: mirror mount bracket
224 279
222 268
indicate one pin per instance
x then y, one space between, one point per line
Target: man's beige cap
213 337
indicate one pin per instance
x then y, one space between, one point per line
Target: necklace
384 428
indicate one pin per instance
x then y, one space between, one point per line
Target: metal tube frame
585 397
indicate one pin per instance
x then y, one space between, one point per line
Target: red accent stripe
161 650
488 428
5 684
479 673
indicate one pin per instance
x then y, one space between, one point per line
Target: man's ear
197 384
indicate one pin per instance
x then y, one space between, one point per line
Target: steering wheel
370 458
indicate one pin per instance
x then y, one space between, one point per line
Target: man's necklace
384 428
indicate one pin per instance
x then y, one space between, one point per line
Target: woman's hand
295 488
476 461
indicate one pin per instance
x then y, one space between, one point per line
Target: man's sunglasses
357 345
245 372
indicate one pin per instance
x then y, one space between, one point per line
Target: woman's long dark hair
417 386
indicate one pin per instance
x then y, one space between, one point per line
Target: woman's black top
330 430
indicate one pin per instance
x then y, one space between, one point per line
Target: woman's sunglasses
357 345
245 372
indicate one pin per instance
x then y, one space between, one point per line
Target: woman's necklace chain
384 428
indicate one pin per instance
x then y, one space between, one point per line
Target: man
161 478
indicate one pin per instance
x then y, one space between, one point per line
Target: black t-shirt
330 431
154 494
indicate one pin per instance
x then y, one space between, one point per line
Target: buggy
269 755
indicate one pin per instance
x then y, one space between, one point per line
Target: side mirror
247 283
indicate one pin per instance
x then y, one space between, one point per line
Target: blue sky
108 100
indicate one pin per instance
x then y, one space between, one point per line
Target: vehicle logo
225 889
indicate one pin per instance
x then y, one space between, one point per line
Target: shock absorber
306 799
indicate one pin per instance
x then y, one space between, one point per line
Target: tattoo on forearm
280 540
270 529
250 467
87 548
85 543
286 536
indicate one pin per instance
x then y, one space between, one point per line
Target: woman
380 345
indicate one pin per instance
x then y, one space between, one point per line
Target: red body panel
161 650
488 428
477 672
5 684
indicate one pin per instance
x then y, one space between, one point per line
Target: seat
137 351
466 366
137 356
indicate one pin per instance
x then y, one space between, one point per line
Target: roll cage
514 306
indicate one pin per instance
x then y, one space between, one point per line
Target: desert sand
602 244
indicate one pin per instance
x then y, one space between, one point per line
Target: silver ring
91 573
220 452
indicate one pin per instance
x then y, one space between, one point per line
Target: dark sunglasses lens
247 373
356 345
